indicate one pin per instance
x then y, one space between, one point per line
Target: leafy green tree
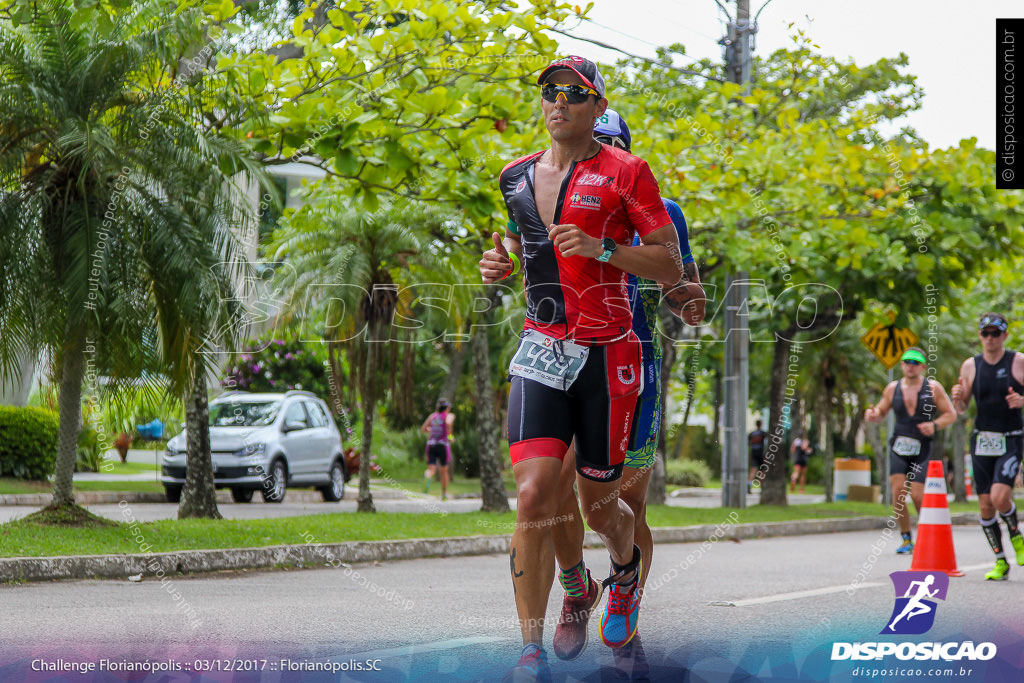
115 211
850 231
354 265
424 102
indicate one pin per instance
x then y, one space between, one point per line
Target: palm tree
115 210
353 265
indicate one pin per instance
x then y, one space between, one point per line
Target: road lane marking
799 595
428 647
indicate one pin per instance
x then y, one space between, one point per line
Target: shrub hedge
28 442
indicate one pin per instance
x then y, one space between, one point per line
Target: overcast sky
951 45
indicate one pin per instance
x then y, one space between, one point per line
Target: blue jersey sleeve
678 220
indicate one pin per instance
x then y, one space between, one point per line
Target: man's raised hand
495 263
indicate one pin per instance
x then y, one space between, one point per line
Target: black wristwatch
609 246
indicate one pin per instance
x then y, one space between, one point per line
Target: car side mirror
292 427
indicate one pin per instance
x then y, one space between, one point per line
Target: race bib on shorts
907 446
990 443
547 360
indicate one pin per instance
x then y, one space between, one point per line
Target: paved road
772 607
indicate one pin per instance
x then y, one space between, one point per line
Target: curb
198 561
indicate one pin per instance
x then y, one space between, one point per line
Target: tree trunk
72 371
456 362
939 448
826 424
407 387
856 420
796 415
392 371
873 433
369 376
492 486
691 383
959 448
337 382
335 367
773 491
356 363
198 496
716 425
673 329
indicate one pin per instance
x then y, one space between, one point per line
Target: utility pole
738 53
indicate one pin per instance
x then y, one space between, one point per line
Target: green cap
914 354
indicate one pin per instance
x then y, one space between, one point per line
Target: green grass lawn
115 467
458 486
25 539
121 486
13 486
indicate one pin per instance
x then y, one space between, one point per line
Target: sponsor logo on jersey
521 186
626 374
593 180
1000 373
597 474
584 201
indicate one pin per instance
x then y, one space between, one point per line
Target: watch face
609 244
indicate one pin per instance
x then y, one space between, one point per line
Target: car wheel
335 491
242 495
173 494
275 483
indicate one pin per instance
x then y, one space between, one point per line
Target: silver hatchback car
266 443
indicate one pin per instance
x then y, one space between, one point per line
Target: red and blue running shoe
622 611
532 667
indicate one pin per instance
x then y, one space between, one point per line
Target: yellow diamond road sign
888 343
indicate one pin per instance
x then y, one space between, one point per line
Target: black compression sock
634 564
1010 518
994 534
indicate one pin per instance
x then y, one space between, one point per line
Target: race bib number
905 445
544 359
990 443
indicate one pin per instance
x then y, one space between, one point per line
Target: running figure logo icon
914 612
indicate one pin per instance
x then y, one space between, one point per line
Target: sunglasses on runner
912 362
610 140
991 333
574 94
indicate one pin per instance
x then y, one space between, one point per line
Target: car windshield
243 413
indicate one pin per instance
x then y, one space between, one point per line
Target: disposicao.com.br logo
914 614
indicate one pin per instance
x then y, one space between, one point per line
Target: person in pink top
438 428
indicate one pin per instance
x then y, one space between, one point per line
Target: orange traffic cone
968 484
934 549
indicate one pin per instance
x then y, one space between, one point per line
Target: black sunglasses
574 94
912 362
991 333
611 140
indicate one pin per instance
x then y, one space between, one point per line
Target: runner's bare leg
531 556
568 530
